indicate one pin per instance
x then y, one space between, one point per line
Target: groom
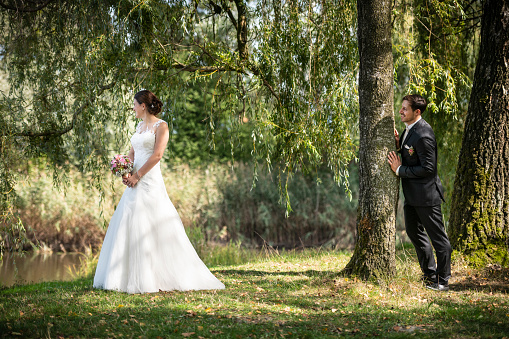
423 193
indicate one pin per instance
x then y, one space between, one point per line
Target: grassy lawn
289 294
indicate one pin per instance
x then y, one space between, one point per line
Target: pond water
38 267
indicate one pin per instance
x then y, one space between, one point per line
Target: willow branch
230 15
69 127
242 29
256 71
211 69
187 68
24 8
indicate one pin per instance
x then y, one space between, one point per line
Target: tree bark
374 253
242 29
479 222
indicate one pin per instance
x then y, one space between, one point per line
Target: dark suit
423 195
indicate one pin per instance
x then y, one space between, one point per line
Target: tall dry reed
217 204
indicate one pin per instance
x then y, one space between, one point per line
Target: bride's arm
162 136
131 154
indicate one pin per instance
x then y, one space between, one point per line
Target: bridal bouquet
121 165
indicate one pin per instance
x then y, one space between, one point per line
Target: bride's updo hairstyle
154 105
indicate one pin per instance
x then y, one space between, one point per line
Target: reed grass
217 204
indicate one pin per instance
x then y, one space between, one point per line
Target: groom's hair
416 102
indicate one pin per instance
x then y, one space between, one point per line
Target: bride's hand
132 180
125 177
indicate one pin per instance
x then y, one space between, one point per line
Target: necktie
407 130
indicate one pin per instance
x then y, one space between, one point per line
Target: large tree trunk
374 253
479 222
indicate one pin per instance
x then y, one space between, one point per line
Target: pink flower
121 164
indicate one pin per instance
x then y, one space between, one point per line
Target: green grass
289 294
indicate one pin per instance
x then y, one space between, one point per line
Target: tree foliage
73 67
289 68
435 44
193 142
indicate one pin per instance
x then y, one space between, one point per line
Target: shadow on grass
308 273
255 303
489 280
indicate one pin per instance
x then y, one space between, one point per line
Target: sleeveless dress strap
158 123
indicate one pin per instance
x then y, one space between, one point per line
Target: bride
146 248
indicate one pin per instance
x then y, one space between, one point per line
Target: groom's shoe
427 280
439 287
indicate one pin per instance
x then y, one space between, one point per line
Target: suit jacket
418 172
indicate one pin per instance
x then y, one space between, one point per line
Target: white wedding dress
146 248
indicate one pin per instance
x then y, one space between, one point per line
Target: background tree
374 253
193 142
479 224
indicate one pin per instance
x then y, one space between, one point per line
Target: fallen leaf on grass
188 334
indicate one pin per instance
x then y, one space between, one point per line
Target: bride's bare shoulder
161 123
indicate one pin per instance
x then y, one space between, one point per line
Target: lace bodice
142 127
143 142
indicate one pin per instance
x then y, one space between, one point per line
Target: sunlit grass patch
295 294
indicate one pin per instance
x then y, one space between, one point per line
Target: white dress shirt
408 128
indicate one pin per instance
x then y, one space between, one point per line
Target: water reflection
33 268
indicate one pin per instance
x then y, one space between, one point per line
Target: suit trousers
422 222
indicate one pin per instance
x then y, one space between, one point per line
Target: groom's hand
396 138
394 161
